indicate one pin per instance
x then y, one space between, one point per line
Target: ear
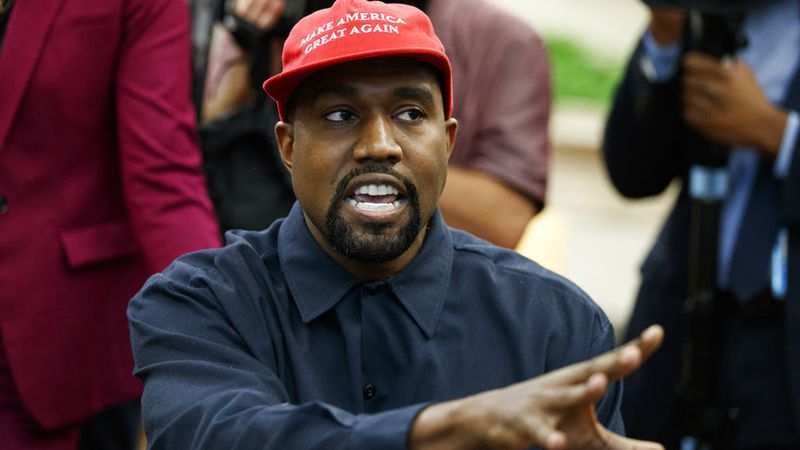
451 128
284 136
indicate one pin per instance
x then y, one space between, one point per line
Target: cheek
432 177
310 180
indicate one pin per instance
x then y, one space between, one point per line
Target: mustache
372 167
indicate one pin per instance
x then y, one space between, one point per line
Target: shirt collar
421 286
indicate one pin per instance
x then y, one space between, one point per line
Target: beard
376 243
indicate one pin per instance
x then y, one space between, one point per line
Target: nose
377 141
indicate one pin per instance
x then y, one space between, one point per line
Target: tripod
704 425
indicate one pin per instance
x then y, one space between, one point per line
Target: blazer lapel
26 34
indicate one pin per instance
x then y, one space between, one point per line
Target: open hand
264 14
554 411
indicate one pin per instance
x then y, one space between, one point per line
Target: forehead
370 75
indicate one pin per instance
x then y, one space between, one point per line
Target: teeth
374 189
368 206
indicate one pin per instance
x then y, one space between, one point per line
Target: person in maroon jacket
100 186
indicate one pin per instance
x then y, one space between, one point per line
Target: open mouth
376 198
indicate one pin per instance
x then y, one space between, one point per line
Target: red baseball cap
357 29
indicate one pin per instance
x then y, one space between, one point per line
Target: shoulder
531 300
244 259
514 273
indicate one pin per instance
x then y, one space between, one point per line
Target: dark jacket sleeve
791 200
791 186
644 143
205 390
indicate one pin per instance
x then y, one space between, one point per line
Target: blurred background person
236 45
499 166
502 93
671 93
100 186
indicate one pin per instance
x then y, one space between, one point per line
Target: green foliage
579 75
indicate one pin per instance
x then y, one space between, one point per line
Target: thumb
614 441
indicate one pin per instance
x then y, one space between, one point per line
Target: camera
715 25
248 35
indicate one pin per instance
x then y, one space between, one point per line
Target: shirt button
369 391
3 204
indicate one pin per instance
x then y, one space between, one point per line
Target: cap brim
281 86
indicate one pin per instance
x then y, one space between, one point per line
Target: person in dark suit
100 186
671 94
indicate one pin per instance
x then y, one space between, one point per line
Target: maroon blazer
101 178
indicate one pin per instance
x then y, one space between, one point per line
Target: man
498 169
361 320
750 105
100 186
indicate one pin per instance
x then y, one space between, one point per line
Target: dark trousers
115 428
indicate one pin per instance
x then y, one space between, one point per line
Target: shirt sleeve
644 145
659 63
508 107
162 178
203 389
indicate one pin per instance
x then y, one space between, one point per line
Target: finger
702 87
242 7
570 396
268 14
698 113
538 433
708 87
703 65
503 436
614 364
617 442
649 340
698 104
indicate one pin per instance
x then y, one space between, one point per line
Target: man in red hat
362 320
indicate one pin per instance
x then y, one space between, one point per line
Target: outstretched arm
555 410
213 379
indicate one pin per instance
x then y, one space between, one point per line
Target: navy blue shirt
268 343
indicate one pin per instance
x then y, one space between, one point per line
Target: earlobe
451 129
284 136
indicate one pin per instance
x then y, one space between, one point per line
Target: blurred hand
261 13
724 103
554 411
666 25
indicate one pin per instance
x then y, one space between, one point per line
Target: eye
339 115
411 115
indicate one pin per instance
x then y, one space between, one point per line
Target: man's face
367 144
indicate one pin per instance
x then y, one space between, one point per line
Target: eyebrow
419 94
343 90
